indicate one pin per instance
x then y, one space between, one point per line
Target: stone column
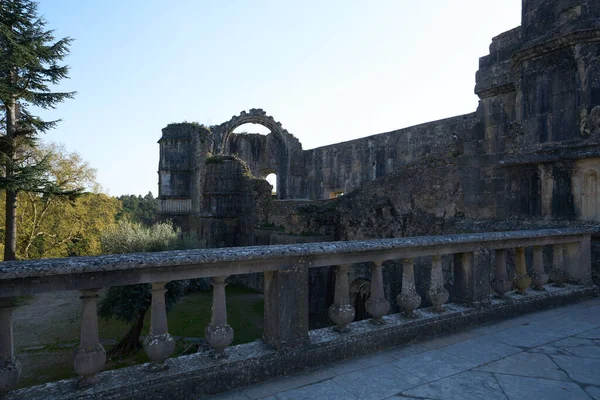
578 261
377 305
501 284
218 333
558 273
437 294
286 307
341 311
522 280
90 357
540 278
159 345
408 299
10 367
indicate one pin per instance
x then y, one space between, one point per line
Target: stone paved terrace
553 354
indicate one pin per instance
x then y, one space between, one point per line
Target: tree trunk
131 341
10 229
10 232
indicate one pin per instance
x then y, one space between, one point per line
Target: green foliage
29 66
52 225
138 209
127 303
217 159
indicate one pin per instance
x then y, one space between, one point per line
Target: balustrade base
196 375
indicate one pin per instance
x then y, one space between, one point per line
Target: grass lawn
187 319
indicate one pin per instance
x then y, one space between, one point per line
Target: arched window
252 128
272 179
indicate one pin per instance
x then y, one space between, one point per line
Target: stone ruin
528 157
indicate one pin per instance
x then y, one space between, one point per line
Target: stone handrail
285 268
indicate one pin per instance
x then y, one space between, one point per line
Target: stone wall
344 167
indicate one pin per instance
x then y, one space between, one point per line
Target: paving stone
591 334
520 387
447 340
565 325
287 382
590 316
468 385
433 365
358 363
579 347
327 390
406 351
582 370
378 382
502 325
481 350
527 364
235 395
550 350
526 336
593 391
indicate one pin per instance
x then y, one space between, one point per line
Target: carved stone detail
522 280
159 344
559 274
408 299
539 276
501 284
10 367
341 311
90 357
437 294
218 333
377 305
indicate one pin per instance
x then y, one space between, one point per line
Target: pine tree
29 66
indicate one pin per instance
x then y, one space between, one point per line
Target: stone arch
281 145
253 116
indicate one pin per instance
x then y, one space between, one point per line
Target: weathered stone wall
231 198
344 167
272 153
181 168
537 154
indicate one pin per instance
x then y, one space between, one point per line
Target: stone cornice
570 39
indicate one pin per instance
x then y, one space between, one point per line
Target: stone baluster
540 278
377 305
10 367
218 333
559 273
501 284
408 299
437 295
341 311
90 357
159 344
522 280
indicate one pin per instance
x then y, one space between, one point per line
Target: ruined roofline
471 115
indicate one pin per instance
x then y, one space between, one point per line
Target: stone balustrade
286 285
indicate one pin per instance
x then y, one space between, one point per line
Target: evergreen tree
138 209
29 65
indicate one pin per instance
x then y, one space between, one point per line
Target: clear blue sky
329 70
